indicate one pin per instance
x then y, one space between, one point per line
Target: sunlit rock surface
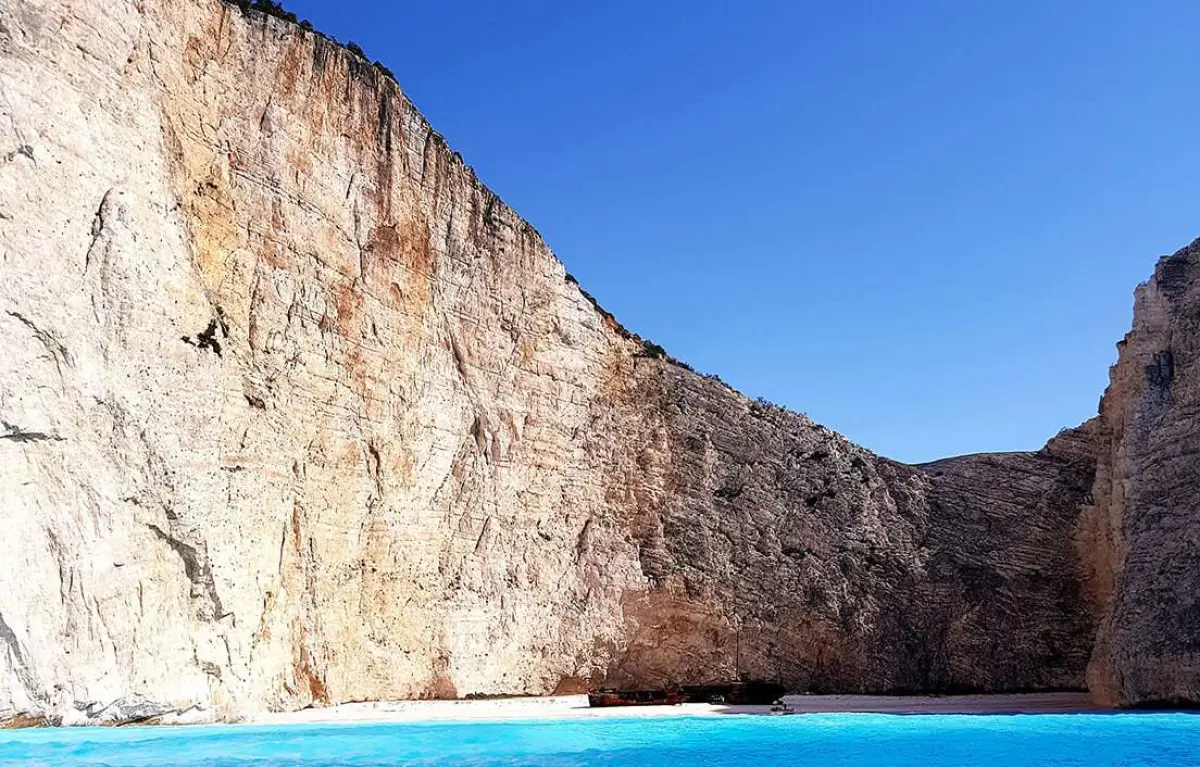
294 411
1142 537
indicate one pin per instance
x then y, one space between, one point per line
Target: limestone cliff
841 571
295 411
1142 537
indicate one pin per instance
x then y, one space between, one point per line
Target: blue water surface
853 740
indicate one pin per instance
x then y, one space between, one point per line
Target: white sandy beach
576 707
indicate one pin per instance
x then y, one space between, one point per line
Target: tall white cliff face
293 410
289 398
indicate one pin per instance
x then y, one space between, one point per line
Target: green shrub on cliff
269 7
653 350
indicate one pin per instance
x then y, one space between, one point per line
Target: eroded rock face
295 411
772 541
1142 538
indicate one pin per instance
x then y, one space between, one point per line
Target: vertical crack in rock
1161 370
460 362
57 351
97 228
375 467
198 570
18 662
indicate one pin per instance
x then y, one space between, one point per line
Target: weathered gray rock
838 571
1142 538
293 410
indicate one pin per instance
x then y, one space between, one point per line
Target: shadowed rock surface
836 570
296 411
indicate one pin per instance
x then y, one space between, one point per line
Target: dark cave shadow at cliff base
964 705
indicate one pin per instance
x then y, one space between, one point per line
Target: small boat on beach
608 698
743 691
752 692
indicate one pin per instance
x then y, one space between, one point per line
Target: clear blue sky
919 222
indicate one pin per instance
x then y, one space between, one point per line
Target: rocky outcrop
295 411
772 541
1141 539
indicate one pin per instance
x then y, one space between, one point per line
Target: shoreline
575 707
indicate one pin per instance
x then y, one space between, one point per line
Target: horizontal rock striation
774 547
295 411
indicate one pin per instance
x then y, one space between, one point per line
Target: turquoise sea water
818 740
